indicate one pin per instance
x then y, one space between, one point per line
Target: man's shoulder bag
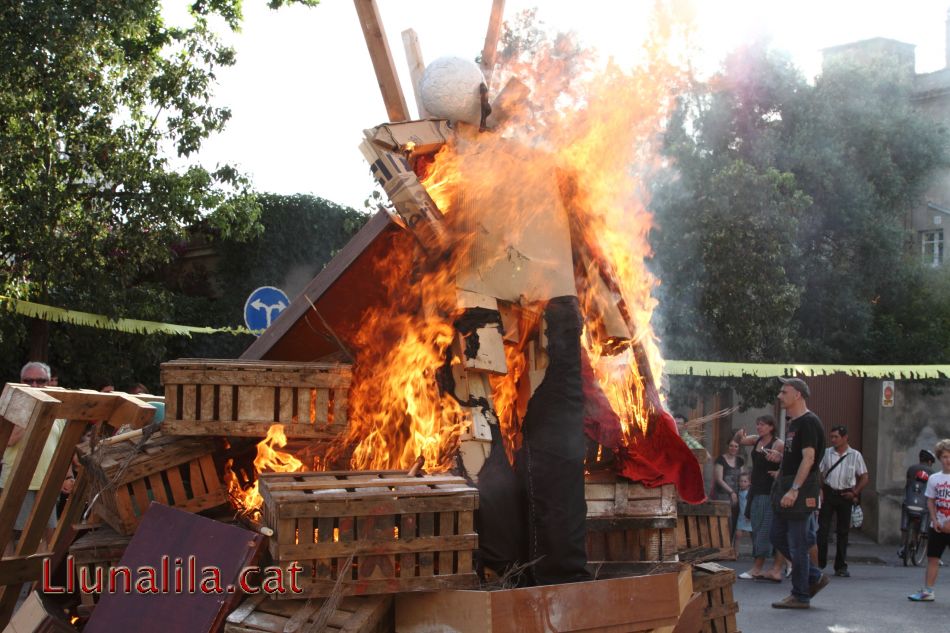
805 503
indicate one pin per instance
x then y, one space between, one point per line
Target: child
744 524
938 502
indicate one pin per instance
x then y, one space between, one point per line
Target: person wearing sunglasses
33 374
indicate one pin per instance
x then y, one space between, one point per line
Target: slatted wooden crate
405 533
610 496
354 614
175 471
706 526
631 539
244 398
101 548
715 583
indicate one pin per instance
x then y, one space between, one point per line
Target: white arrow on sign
257 304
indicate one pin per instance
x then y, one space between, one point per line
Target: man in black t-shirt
792 535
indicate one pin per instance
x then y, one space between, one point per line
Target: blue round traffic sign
263 306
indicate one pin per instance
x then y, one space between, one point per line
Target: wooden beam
410 42
490 51
378 46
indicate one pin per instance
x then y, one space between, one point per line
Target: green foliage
781 230
93 95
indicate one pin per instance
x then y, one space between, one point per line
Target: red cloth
658 457
662 457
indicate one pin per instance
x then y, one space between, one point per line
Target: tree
781 229
94 98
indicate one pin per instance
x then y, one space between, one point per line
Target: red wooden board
178 535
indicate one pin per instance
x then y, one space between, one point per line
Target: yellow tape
671 367
133 326
771 370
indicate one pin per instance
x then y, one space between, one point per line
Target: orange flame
268 459
582 149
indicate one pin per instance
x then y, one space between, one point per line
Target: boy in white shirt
938 502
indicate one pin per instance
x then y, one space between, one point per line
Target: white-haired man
33 374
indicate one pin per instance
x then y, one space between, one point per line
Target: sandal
747 576
768 578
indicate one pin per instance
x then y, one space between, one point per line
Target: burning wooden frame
404 533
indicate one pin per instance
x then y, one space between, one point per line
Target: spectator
759 507
33 374
938 502
844 475
726 480
743 524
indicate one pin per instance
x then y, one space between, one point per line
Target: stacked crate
404 533
715 583
629 522
129 472
244 398
703 530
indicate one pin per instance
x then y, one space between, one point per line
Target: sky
303 88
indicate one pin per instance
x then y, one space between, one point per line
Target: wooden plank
382 60
226 402
368 546
410 43
285 405
195 479
206 402
339 407
426 531
210 474
189 404
371 506
490 49
158 488
176 485
246 428
322 407
31 447
377 533
466 525
323 376
140 498
48 495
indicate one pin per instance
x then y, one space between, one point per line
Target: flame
268 459
574 163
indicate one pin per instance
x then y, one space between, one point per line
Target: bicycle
914 545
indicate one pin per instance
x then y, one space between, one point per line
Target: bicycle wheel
910 539
920 549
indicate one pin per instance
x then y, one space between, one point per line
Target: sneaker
924 595
818 585
790 602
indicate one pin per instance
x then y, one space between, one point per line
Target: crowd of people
798 490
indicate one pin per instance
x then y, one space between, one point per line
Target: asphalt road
872 600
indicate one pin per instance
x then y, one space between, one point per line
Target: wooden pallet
404 533
705 525
34 411
244 398
97 549
715 583
608 495
354 614
631 539
175 471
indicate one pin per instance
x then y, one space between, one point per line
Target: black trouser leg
824 528
843 518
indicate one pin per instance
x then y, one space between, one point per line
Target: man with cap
794 534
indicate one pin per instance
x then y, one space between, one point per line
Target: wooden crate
354 614
175 471
630 598
101 548
404 533
244 398
631 539
705 526
608 495
715 583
